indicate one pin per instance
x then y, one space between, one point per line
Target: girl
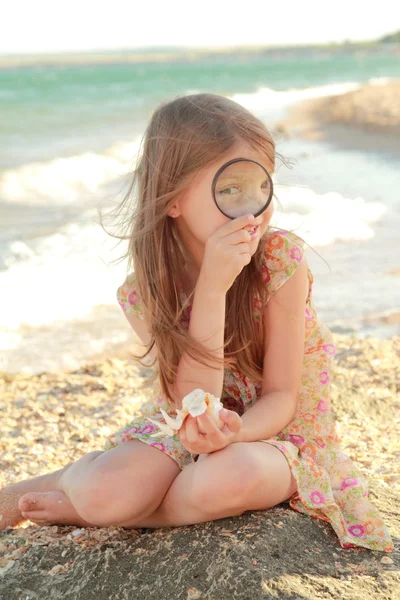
224 305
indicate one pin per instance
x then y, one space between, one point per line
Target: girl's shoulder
283 252
283 247
128 297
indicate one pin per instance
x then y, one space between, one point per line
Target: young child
224 305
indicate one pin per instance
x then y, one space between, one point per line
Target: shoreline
145 55
367 119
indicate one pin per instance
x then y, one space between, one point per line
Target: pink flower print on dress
329 349
320 442
147 429
308 314
317 497
296 254
356 530
324 377
133 298
158 445
348 482
296 439
132 430
282 447
322 405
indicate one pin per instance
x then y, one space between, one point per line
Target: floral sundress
329 484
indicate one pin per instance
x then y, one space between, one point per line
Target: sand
368 118
50 419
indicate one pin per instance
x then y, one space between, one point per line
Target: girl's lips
253 231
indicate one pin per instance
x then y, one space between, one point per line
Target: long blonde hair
183 136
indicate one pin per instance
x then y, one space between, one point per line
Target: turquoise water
55 110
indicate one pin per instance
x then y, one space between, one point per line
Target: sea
69 135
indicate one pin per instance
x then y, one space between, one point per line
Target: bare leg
179 507
14 510
10 514
120 485
205 491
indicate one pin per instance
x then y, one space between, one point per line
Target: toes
29 502
38 519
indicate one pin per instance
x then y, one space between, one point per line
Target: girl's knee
105 499
99 505
223 477
118 488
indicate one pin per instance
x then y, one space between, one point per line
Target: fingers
192 437
206 425
233 421
192 431
196 430
240 236
234 225
238 224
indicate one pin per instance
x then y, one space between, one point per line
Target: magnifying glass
242 186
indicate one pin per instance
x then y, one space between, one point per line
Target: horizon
88 27
192 48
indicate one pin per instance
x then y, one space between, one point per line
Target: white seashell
195 403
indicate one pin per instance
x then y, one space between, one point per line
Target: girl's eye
233 189
226 190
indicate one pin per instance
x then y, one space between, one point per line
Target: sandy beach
50 419
53 418
361 119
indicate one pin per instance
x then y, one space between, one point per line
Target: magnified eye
226 190
237 185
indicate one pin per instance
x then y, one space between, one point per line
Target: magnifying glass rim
230 162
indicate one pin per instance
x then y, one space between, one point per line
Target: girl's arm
283 360
207 322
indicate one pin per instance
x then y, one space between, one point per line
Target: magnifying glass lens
242 186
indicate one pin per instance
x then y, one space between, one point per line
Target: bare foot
10 515
50 508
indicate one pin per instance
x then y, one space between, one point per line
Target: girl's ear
174 211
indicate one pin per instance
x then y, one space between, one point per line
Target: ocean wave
271 105
67 181
74 179
63 275
319 218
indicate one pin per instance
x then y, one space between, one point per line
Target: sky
46 26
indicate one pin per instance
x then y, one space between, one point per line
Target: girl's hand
226 252
213 439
